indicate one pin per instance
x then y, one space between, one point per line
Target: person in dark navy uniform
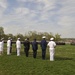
43 47
11 46
26 46
34 48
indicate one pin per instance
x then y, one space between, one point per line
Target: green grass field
64 63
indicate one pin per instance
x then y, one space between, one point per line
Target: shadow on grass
63 58
39 56
59 58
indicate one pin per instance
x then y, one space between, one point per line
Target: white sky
21 16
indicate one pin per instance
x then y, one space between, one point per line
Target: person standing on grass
18 46
43 47
52 46
11 46
34 48
1 47
2 44
26 44
8 45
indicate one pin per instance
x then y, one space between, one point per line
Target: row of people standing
26 44
34 44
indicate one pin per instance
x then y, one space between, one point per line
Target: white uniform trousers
51 54
18 51
8 50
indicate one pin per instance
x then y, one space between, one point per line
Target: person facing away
2 44
52 46
34 48
11 46
43 47
8 46
26 44
1 47
18 46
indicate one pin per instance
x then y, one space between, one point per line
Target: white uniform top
0 46
18 44
2 43
9 43
51 44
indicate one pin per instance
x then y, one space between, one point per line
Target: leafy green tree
20 36
57 37
1 32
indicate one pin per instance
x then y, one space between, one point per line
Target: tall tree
57 37
1 32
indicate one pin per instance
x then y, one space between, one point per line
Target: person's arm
54 44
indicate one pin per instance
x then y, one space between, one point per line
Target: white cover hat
18 38
51 39
44 37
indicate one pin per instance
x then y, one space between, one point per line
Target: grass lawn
64 63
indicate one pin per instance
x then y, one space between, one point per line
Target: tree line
31 35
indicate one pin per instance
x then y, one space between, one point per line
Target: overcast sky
56 16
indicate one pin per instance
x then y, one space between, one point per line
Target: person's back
34 45
43 47
51 44
34 48
43 44
0 44
8 43
18 44
26 44
8 46
0 47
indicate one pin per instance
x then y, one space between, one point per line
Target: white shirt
0 44
18 44
52 44
9 43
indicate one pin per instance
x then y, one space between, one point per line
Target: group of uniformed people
51 44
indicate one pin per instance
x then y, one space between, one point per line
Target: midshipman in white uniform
2 44
18 46
8 46
52 46
0 47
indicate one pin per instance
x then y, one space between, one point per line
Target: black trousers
34 53
10 49
43 53
26 52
